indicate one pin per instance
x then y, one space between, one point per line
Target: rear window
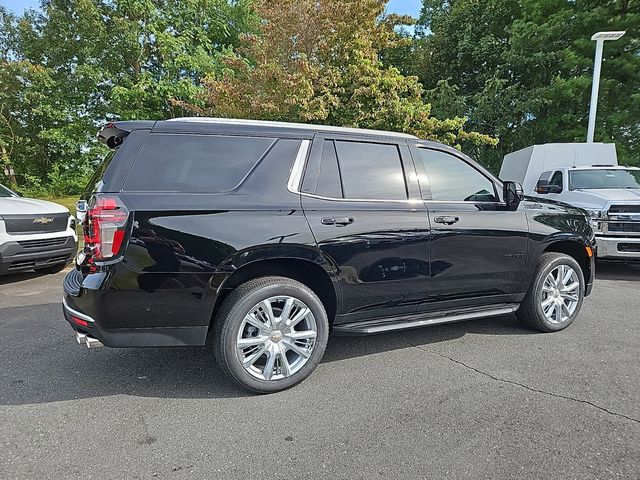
95 183
195 163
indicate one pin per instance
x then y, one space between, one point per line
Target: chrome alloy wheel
276 338
560 294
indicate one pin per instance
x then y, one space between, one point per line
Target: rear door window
371 171
195 163
329 184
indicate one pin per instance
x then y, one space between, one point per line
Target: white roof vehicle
34 234
585 175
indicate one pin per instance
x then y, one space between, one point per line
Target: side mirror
512 193
543 188
81 210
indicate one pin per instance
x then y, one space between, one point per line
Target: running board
422 320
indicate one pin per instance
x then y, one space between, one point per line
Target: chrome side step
421 320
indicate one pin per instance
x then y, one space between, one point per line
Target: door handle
338 221
447 220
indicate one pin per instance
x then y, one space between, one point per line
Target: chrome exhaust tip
90 342
93 342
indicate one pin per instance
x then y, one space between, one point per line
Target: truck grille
624 209
624 227
29 224
45 242
624 220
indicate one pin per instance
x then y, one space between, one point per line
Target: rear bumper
101 314
25 254
618 248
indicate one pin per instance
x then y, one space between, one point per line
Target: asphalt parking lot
483 399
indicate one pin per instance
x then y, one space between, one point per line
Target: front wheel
270 334
556 293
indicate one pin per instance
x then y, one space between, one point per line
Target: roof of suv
286 125
203 125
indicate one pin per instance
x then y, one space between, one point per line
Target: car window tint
452 179
371 171
195 163
329 184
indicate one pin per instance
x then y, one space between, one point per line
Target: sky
405 7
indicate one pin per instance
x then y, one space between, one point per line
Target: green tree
78 63
320 62
521 70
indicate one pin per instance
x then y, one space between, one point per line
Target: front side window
604 178
556 181
449 178
371 171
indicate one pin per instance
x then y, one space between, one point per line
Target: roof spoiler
114 133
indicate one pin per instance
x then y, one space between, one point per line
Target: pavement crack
522 385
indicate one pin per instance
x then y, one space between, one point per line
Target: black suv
268 235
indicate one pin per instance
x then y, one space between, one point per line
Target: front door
357 201
478 245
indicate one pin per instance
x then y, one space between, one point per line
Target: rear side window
371 171
195 163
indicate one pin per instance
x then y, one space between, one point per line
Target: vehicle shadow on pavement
617 271
42 362
341 348
20 277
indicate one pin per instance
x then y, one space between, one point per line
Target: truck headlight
596 219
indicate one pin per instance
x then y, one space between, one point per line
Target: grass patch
69 202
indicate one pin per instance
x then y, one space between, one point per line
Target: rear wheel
270 334
556 293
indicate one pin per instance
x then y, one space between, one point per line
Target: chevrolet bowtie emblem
43 220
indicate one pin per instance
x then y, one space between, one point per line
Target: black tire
531 311
51 269
231 314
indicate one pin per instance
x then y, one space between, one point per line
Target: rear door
362 202
478 245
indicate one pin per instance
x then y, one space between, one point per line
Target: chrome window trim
295 175
320 197
76 313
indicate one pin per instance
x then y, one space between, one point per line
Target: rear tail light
104 226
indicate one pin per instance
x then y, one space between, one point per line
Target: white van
34 234
585 175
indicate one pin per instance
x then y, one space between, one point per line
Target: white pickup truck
34 234
585 175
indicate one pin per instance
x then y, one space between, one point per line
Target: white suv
34 234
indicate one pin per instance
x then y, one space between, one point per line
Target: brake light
104 226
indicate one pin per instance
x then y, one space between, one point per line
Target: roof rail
306 126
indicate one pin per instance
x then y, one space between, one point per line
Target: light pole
600 38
